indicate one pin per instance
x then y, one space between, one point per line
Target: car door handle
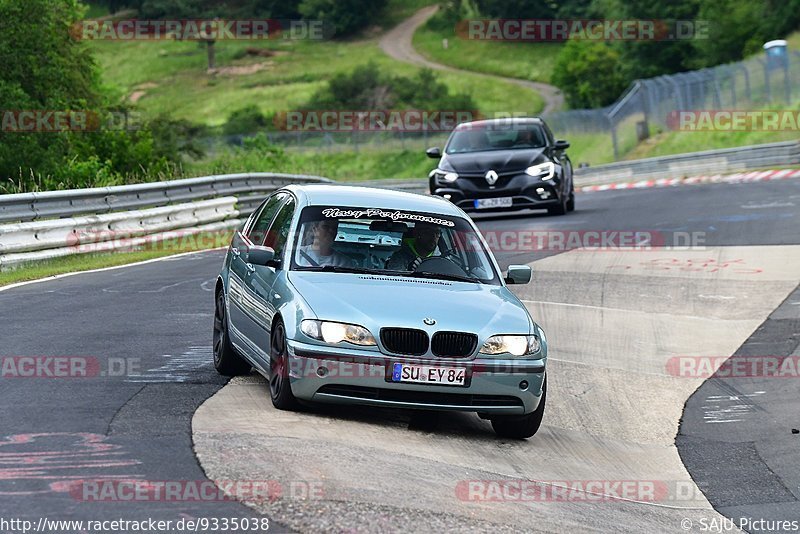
235 251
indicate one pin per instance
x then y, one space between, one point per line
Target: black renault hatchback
504 164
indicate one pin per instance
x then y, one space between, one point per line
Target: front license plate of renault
501 202
424 374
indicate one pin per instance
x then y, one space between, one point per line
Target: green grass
366 164
96 11
183 88
669 143
528 61
88 262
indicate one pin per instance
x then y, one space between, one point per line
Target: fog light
543 193
447 197
523 385
322 372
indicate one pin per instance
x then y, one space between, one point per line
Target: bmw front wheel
280 390
521 426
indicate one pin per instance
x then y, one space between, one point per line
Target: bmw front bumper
330 374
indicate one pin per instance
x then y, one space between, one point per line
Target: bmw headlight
333 333
545 171
514 345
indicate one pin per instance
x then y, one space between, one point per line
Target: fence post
645 100
767 90
679 93
747 84
732 79
786 82
614 143
717 90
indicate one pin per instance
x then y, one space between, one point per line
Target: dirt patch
242 70
141 91
260 52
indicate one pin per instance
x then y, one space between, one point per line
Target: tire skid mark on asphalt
177 369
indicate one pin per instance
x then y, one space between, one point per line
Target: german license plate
424 374
501 202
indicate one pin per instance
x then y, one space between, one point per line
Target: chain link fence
644 108
756 83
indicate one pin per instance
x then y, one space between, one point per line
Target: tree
518 9
347 16
589 73
46 69
31 30
739 28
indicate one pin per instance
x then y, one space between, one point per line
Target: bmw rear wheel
226 361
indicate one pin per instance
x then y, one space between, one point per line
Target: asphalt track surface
56 432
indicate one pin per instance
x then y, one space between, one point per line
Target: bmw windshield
392 243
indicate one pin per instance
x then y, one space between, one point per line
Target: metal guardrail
724 160
721 161
250 188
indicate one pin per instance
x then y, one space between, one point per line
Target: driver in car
526 138
421 245
321 252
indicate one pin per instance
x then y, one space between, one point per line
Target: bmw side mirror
434 152
263 256
561 145
518 274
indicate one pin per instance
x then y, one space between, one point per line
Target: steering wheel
452 256
441 265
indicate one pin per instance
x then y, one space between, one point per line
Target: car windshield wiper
429 274
339 269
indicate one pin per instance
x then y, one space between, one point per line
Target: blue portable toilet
777 54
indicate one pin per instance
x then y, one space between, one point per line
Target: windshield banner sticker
393 215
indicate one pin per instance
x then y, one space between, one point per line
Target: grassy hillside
172 77
529 61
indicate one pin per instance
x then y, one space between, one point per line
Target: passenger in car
320 251
422 244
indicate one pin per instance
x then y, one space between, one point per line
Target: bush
451 13
368 88
248 119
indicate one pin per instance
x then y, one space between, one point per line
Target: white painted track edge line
103 269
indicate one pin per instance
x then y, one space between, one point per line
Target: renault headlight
544 170
446 176
333 333
514 345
